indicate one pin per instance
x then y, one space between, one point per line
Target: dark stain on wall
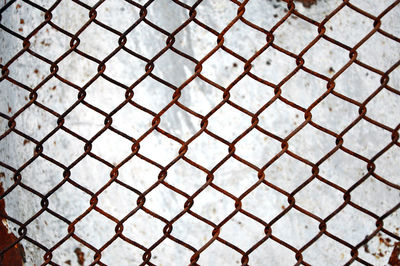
15 255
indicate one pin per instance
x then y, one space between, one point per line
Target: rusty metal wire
39 151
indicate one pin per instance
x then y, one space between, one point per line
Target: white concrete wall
287 173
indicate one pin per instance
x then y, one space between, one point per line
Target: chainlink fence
201 132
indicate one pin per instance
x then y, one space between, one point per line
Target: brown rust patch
385 241
80 256
366 248
44 43
14 256
394 259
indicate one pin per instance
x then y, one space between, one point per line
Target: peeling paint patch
307 3
395 257
14 256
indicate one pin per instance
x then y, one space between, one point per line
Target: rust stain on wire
8 248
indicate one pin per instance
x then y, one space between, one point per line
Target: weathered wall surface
222 68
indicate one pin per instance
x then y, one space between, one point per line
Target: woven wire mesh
183 149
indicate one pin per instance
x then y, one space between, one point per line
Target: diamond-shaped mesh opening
199 132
